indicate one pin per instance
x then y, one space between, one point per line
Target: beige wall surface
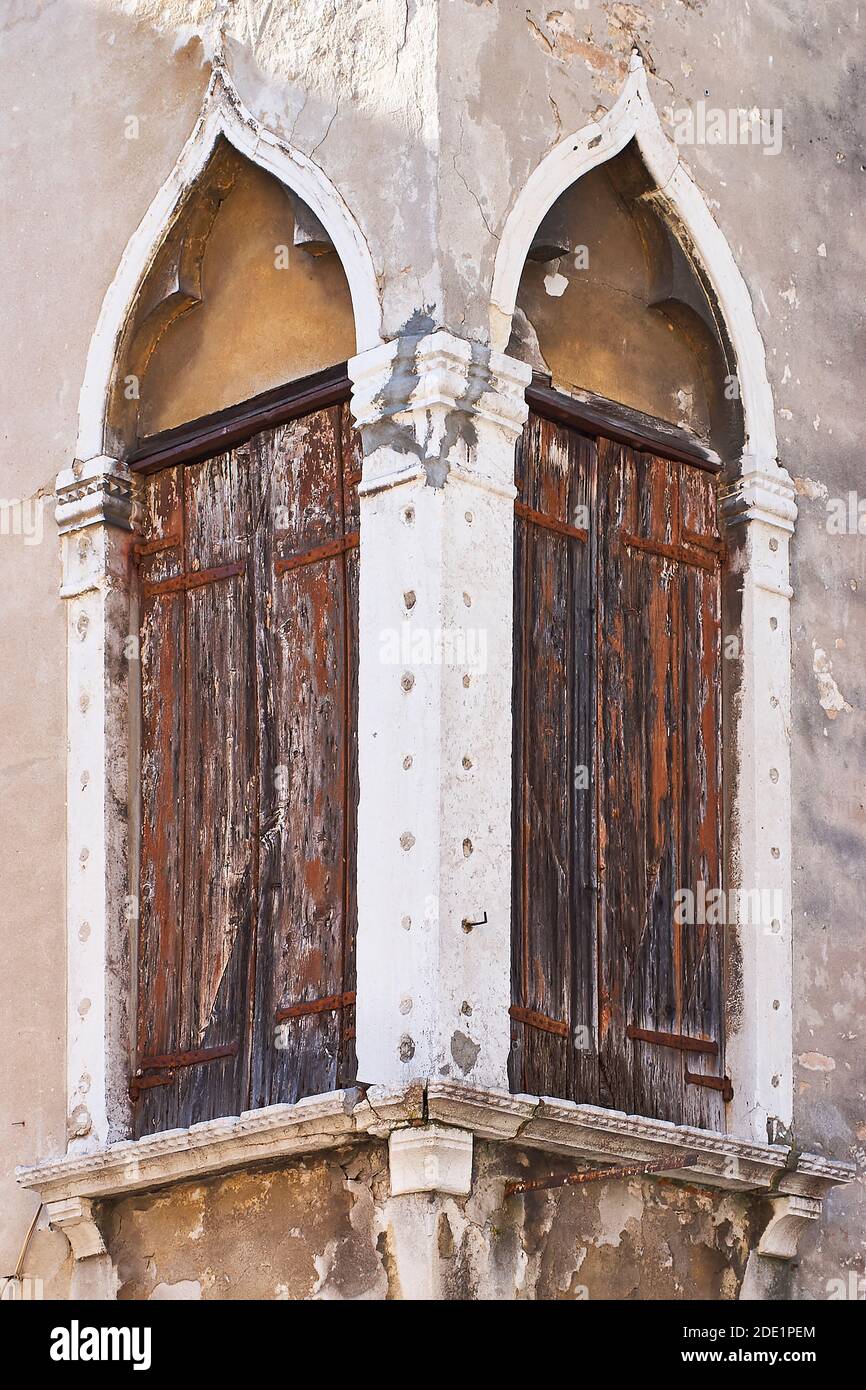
429 117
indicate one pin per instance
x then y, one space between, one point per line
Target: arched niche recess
612 303
245 294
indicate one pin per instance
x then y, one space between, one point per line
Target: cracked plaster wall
429 118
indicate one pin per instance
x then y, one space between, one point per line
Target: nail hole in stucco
774 702
407 680
469 518
776 1080
407 839
774 774
405 1005
467 763
406 922
408 515
774 623
406 1050
407 762
467 600
775 925
409 598
467 681
775 852
774 544
466 1008
775 1003
467 848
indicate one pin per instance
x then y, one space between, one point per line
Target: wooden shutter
248 573
553 893
638 700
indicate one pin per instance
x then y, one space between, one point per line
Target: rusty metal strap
712 1083
632 1170
159 1070
678 553
155 547
533 1019
330 1004
316 553
194 580
677 1040
548 523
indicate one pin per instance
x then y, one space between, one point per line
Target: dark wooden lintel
225 429
596 416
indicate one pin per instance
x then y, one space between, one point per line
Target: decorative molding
792 1217
219 1146
223 117
611 1136
443 1133
432 1158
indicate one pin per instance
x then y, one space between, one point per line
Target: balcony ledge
341 1118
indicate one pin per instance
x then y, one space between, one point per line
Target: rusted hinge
632 1170
708 560
329 1004
712 1083
194 580
549 523
163 1066
533 1019
676 1040
316 553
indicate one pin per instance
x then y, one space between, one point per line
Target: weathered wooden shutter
554 719
248 775
640 701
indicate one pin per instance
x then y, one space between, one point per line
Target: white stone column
439 419
760 512
94 515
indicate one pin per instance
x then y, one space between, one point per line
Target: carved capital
761 494
432 1158
74 1217
436 402
791 1217
96 493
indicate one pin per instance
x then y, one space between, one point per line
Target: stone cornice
325 1122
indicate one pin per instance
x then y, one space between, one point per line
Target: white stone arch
633 116
759 510
223 115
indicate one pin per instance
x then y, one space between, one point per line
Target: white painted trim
223 115
634 116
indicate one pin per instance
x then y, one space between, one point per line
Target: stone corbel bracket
792 1217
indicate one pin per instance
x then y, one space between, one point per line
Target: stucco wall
429 117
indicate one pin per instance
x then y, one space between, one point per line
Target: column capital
761 493
422 402
98 492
